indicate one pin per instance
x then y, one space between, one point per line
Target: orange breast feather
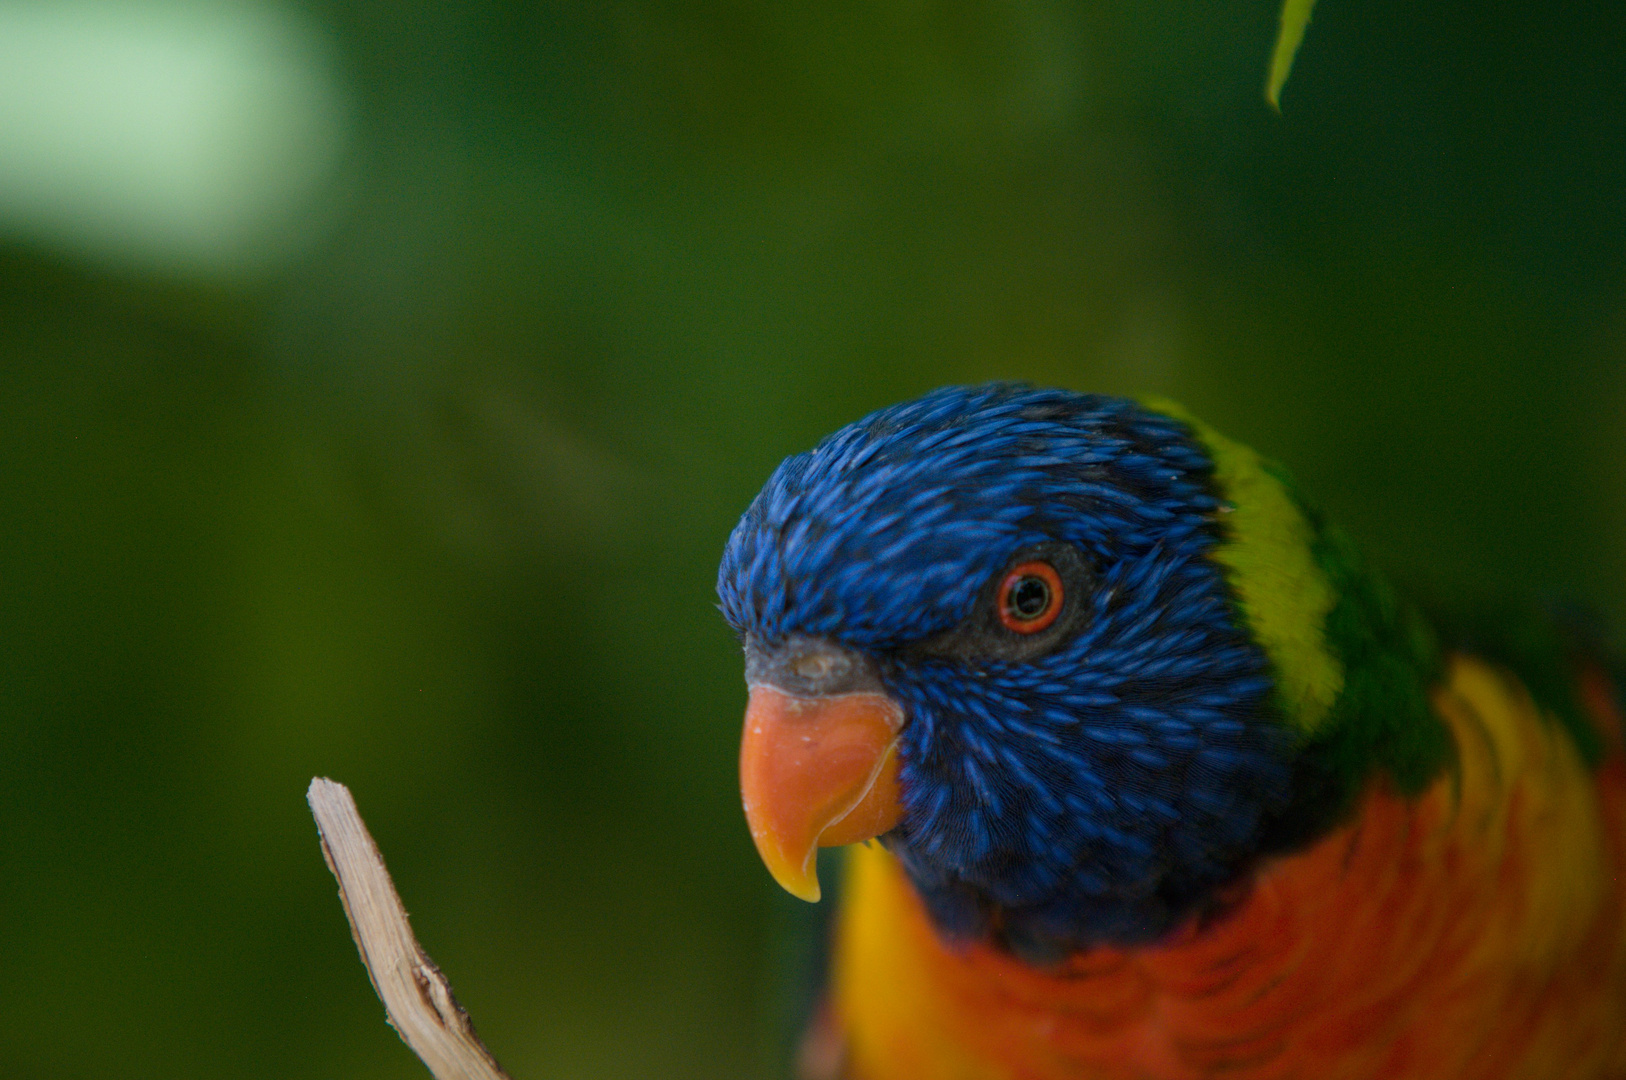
1478 931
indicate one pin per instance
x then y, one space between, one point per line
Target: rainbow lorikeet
1168 781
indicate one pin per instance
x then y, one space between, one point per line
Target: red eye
1030 597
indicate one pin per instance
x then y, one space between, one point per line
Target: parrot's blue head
1020 584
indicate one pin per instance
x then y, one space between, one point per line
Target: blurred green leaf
1295 17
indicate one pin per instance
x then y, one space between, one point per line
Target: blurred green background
379 382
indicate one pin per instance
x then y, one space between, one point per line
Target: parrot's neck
1352 662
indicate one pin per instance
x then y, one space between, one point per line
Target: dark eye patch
983 635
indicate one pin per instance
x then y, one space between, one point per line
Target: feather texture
1477 930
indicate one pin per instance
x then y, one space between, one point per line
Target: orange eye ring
1030 597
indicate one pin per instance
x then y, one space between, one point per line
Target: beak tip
800 878
802 887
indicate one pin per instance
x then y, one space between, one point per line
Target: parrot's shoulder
1556 648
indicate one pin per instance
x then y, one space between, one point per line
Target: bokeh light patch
194 138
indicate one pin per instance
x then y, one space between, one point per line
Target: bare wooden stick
417 998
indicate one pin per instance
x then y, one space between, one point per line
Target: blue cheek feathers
1101 796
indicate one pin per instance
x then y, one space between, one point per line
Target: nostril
809 667
817 667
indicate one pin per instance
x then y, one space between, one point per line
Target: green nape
1391 658
1284 594
1352 662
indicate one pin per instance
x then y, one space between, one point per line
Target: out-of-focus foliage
431 500
1295 17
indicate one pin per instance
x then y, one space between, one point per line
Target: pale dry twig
417 998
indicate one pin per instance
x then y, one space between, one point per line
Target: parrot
1147 773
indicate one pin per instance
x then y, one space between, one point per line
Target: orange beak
817 772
